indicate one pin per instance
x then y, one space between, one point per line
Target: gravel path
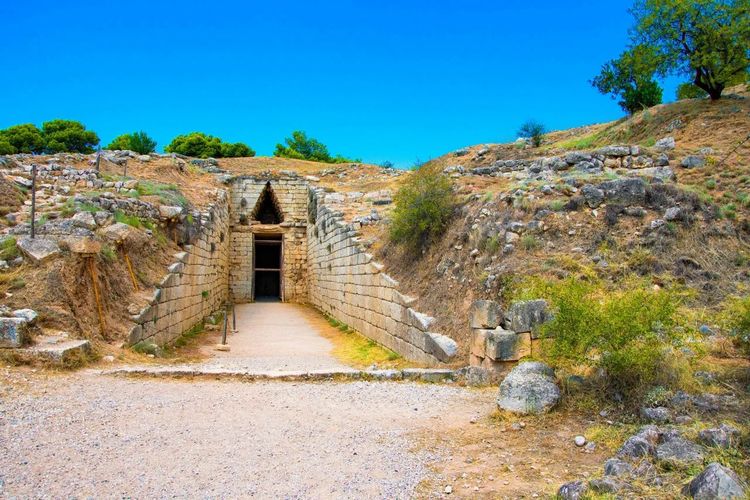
86 435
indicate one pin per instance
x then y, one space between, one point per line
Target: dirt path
85 435
275 336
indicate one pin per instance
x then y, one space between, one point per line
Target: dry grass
354 349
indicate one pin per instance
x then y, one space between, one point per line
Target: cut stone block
478 342
13 332
485 314
38 250
58 350
527 316
505 345
442 347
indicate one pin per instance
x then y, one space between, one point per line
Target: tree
26 138
68 136
631 79
200 145
139 142
708 40
688 90
423 207
301 147
534 131
5 147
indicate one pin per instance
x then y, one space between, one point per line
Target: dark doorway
267 265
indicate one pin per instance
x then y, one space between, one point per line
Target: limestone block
505 345
527 316
13 332
442 347
485 314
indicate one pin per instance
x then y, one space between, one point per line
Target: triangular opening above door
267 210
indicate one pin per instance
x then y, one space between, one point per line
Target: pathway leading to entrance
276 336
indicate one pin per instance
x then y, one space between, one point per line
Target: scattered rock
606 485
677 450
665 144
13 332
659 415
725 436
616 467
693 161
717 482
579 441
529 388
28 315
85 220
574 490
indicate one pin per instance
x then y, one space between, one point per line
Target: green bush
423 207
301 147
68 136
737 321
629 333
139 142
26 138
200 145
534 131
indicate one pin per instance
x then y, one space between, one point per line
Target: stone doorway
268 275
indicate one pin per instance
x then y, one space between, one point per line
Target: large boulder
123 234
717 482
642 444
529 388
485 314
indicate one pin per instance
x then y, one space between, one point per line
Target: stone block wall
346 284
291 194
196 284
499 340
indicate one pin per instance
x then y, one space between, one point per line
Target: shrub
200 145
628 333
139 142
26 138
387 164
534 131
630 78
301 147
423 207
737 321
68 136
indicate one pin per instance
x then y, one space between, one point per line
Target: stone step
58 350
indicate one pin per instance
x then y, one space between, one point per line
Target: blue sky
386 80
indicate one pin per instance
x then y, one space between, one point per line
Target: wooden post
97 298
33 199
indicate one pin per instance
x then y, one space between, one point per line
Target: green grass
354 349
169 194
108 253
529 242
711 184
189 336
8 249
130 220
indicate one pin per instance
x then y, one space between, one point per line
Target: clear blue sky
380 80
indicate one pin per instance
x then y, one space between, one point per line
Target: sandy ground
276 336
85 435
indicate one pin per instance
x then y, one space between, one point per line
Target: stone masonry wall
345 283
291 194
196 284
